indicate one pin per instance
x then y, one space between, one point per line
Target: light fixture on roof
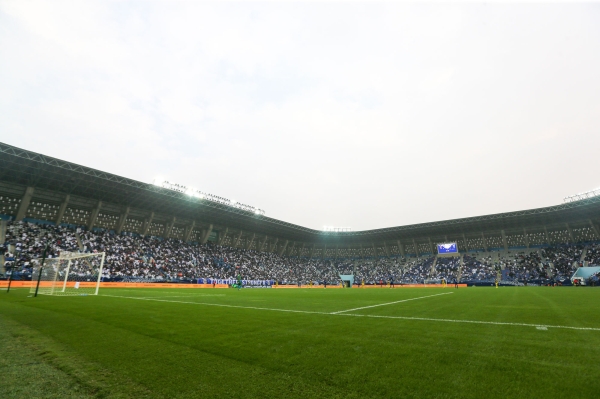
195 193
333 229
582 196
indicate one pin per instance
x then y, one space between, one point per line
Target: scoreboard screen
448 248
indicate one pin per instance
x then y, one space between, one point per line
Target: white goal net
69 274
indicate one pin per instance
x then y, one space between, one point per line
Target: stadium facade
44 189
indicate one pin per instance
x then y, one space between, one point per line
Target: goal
69 274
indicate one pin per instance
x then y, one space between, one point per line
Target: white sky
346 114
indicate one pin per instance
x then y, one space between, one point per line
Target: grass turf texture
174 344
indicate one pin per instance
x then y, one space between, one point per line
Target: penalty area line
390 303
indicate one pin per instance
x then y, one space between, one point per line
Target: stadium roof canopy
20 169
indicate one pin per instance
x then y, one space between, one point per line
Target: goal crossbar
70 274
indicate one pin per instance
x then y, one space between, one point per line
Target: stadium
166 167
158 240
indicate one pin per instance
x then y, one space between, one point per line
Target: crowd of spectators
523 266
592 256
562 260
136 258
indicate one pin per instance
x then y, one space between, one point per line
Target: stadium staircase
2 240
460 268
583 255
79 243
432 270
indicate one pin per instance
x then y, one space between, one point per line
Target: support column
431 246
237 240
94 216
291 249
169 227
547 236
323 251
526 237
188 231
416 247
249 243
375 252
283 248
122 220
595 228
466 243
274 245
224 236
24 204
570 233
312 251
62 209
262 245
401 248
485 244
504 240
208 231
147 223
387 250
2 231
301 250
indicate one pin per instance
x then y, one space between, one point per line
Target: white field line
391 303
216 304
497 323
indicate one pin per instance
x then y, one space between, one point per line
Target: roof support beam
147 223
237 240
208 231
323 251
416 247
431 246
24 204
570 233
188 231
262 245
485 244
223 236
401 248
249 243
62 209
547 235
466 242
94 216
169 228
291 249
2 232
274 245
526 237
387 249
283 248
122 220
312 251
595 228
504 240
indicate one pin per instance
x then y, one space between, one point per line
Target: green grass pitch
518 342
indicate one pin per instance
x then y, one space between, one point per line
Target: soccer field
519 342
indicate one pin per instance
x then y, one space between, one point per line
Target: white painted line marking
391 303
542 328
217 304
497 323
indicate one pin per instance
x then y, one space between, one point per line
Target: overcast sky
346 114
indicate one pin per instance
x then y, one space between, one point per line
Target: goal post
69 274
